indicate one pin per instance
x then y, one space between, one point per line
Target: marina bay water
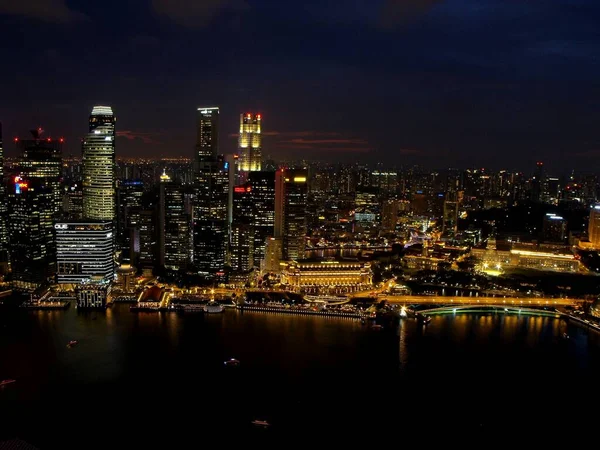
159 379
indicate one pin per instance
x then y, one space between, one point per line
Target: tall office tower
72 202
242 231
174 225
263 220
33 206
99 166
450 221
249 143
279 199
538 183
594 226
295 194
129 202
3 215
84 251
211 219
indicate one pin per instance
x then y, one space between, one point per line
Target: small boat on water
232 362
72 343
425 320
261 423
213 307
5 382
377 327
566 336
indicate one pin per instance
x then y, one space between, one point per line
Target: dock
43 306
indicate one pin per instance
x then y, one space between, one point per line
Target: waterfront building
99 166
34 202
329 275
129 205
93 294
533 257
249 143
84 251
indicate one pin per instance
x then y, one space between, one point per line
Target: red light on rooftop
62 140
16 139
258 116
49 139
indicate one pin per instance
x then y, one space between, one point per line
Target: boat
5 382
232 362
377 327
261 423
213 307
425 320
72 343
565 336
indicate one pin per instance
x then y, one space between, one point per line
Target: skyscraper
594 226
450 222
263 220
212 196
174 225
249 144
129 203
293 212
3 213
242 230
33 206
99 166
84 251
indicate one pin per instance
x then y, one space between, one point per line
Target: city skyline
449 81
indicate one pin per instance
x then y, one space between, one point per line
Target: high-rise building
84 251
129 203
242 230
33 206
147 237
263 220
389 214
174 225
99 166
272 260
207 140
249 144
3 214
211 218
72 202
295 194
594 226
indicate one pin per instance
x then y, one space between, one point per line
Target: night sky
495 83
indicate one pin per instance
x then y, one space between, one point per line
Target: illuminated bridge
440 301
453 309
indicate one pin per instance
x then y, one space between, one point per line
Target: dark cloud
398 12
195 13
47 10
146 138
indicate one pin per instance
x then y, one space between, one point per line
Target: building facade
327 276
84 251
99 195
594 226
263 218
174 225
242 230
293 206
3 214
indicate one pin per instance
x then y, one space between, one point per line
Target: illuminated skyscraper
33 206
3 214
249 144
212 196
594 226
263 220
174 225
129 205
293 195
99 166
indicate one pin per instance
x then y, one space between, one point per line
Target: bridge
490 308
